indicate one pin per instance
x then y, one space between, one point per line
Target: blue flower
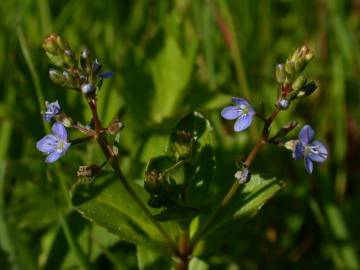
308 149
54 145
242 111
52 109
106 75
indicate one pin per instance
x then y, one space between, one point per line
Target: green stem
114 163
232 191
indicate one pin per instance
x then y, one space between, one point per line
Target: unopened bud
284 104
49 44
153 182
87 88
307 90
290 67
301 58
290 145
299 83
65 120
280 73
61 43
56 76
115 126
85 62
96 67
243 175
56 59
69 58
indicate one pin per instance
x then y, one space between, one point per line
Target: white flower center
311 149
60 146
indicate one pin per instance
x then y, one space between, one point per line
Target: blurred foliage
171 57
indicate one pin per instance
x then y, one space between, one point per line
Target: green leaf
191 140
107 203
177 213
150 260
171 71
190 135
250 199
247 201
255 194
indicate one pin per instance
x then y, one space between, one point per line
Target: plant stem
114 162
231 192
182 262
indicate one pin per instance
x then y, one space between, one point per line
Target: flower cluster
304 147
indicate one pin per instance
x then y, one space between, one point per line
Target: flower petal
54 156
322 152
59 131
52 109
106 75
47 144
241 102
306 134
231 113
243 122
66 147
308 165
298 151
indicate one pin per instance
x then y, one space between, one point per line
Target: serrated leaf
106 203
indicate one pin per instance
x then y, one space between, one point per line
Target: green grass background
170 57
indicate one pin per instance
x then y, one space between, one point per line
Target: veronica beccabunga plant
177 210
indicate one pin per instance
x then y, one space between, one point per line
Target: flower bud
56 76
49 44
290 145
280 73
69 58
87 88
284 104
290 67
115 126
154 182
243 175
56 59
61 43
307 90
85 62
299 83
96 67
65 120
301 57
